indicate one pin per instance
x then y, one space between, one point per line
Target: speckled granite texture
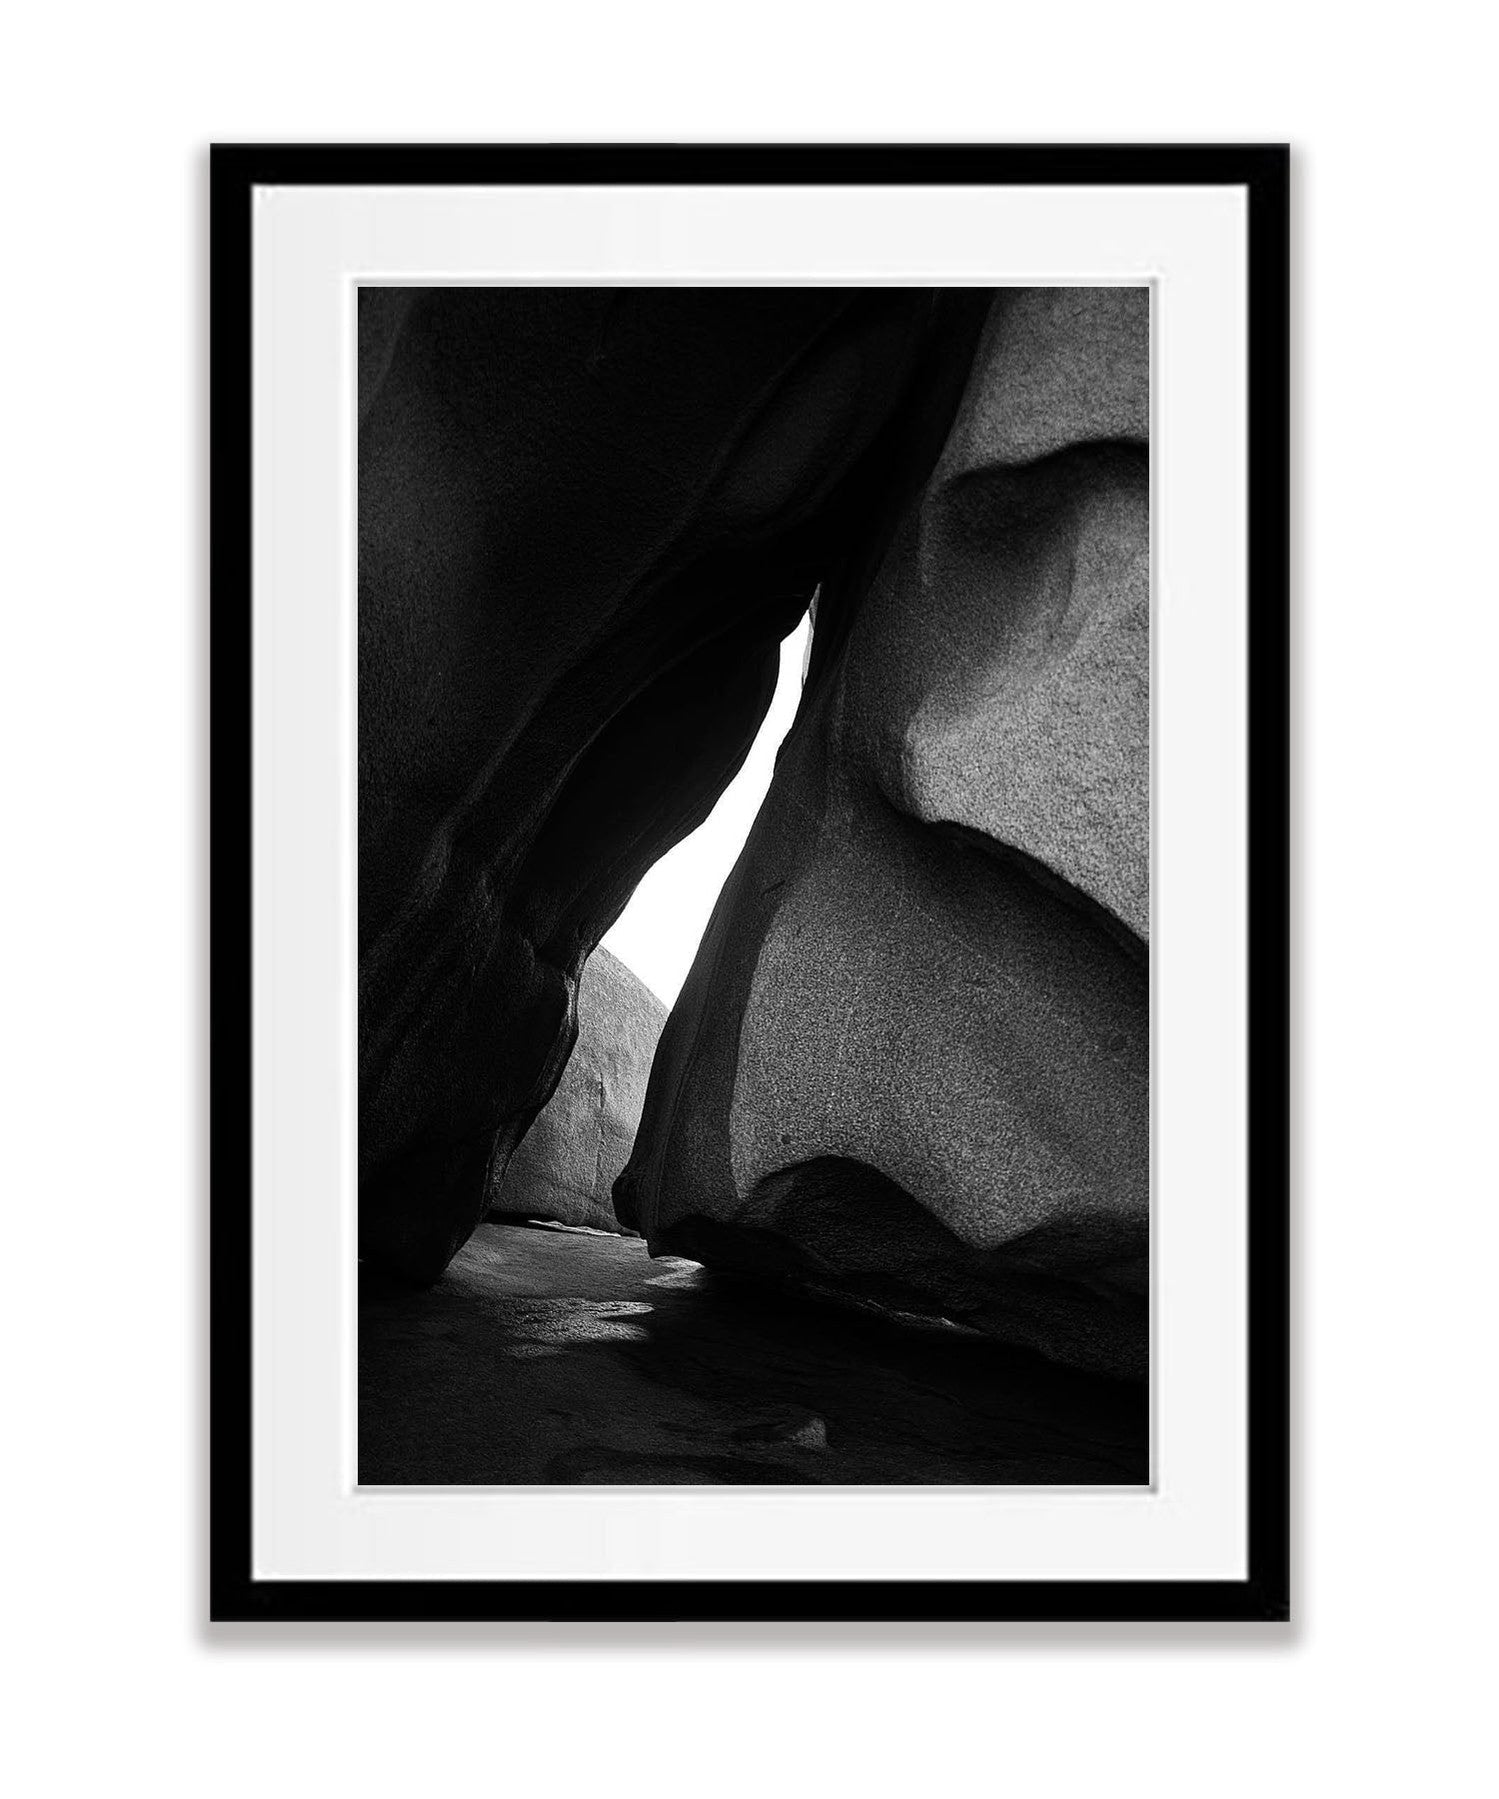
587 517
912 1060
565 1166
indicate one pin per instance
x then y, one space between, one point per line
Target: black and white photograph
750 769
764 717
750 783
754 885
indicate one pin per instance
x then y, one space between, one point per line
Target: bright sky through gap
657 934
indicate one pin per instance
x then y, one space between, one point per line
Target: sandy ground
551 1356
565 1357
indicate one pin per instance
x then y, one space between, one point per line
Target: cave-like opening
657 934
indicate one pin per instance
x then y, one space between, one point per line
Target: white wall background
1385 1684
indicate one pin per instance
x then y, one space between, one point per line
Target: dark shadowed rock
586 519
911 1063
565 1166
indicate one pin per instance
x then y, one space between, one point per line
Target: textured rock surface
912 1059
586 519
552 1356
565 1166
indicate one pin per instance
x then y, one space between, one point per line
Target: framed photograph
749 883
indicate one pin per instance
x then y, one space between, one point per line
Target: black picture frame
1262 170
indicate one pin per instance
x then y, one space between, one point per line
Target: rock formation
586 518
911 1063
565 1166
